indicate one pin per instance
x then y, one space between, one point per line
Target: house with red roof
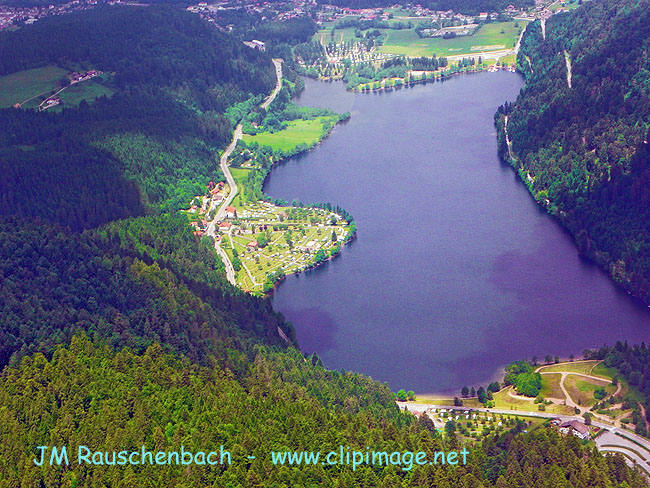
231 212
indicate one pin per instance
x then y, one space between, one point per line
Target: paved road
212 226
230 271
608 441
223 163
278 84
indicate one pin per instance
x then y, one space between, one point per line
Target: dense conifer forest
583 149
117 326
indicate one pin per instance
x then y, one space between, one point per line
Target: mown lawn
240 175
551 386
582 389
487 38
583 367
22 85
324 36
504 401
298 132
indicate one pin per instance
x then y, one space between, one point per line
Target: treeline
585 146
399 67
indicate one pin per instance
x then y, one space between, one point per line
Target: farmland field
22 85
487 38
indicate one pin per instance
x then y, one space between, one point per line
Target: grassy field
551 386
240 175
86 90
568 5
487 38
324 36
510 59
582 389
20 86
601 370
298 132
583 367
504 401
399 12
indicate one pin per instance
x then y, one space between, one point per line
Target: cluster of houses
267 10
77 77
217 192
330 13
572 427
10 15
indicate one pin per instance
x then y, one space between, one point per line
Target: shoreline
348 238
231 274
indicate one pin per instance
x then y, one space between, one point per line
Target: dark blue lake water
455 271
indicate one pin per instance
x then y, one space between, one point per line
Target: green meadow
30 87
86 90
307 132
490 37
19 87
324 36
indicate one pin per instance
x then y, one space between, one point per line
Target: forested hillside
130 283
93 396
151 145
579 131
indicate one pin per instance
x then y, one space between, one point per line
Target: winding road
223 163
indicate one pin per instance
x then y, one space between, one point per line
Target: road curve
278 84
223 164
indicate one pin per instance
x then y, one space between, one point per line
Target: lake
455 271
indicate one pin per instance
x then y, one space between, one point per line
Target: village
265 242
13 17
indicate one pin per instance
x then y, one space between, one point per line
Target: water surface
455 271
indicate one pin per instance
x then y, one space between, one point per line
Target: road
567 397
230 271
278 84
610 440
223 164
